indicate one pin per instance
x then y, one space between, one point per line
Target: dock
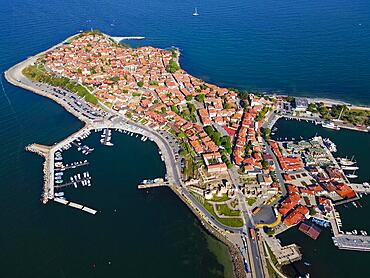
61 201
75 205
347 240
361 187
71 166
284 254
71 183
152 185
352 242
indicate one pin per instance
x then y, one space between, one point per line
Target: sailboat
195 12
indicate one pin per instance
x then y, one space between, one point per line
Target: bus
252 233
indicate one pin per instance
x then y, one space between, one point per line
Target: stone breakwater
42 151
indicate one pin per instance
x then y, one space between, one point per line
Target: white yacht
330 125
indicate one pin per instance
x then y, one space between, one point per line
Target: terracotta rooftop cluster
137 80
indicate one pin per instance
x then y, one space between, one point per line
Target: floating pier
61 201
75 205
72 182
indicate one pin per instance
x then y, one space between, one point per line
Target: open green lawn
220 199
231 222
251 201
236 222
225 210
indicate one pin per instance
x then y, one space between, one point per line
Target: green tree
265 164
189 97
140 84
312 107
200 97
91 98
172 66
174 109
266 133
173 53
181 135
289 99
191 108
323 110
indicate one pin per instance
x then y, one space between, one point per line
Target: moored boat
330 125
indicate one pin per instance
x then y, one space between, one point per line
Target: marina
54 168
106 137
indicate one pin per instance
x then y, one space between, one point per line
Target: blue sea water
295 46
301 47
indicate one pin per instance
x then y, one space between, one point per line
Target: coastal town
221 157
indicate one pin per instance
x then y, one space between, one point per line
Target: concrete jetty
347 240
152 185
352 242
119 39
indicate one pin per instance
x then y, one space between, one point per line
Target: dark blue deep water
295 46
301 47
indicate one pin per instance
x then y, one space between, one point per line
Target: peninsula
216 144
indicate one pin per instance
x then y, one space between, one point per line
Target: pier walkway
72 182
352 242
152 185
71 166
75 205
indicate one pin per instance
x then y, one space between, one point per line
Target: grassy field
251 201
220 199
225 210
231 222
236 222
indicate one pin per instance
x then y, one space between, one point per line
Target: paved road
278 170
251 252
